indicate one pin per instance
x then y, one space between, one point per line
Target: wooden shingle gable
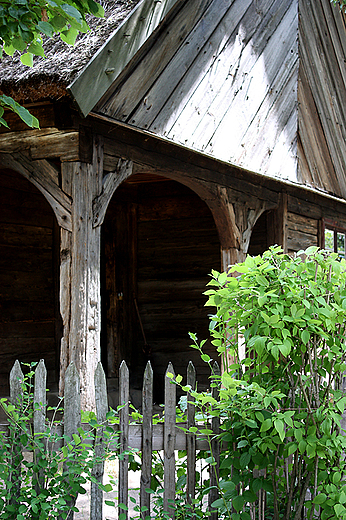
114 56
322 96
221 80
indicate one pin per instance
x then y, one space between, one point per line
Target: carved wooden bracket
45 177
110 183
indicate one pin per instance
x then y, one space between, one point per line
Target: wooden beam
110 183
42 174
43 144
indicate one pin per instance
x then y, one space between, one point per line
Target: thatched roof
49 77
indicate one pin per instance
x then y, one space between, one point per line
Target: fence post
101 399
147 440
124 396
16 398
169 443
40 402
215 448
72 410
191 437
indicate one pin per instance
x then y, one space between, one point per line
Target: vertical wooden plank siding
40 401
101 401
191 438
169 443
215 447
124 396
147 432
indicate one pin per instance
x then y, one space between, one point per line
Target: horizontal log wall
27 287
302 232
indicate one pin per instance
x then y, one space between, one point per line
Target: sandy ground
109 513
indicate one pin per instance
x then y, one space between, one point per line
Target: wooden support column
84 334
65 281
277 224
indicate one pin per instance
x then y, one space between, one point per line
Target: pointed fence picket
146 437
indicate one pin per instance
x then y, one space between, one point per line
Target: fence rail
146 437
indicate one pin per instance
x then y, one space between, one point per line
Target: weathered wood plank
218 61
215 453
110 183
101 401
72 411
85 272
64 145
190 437
10 143
322 81
72 402
169 443
155 99
16 398
250 102
124 100
124 396
147 431
114 55
40 402
65 303
42 144
300 223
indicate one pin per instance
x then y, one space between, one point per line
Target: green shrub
38 479
281 401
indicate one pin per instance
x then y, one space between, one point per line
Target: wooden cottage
176 137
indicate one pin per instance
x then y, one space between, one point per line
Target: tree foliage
25 25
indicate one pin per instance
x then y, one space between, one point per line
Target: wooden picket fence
146 437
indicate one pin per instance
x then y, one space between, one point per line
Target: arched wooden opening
159 243
267 231
29 244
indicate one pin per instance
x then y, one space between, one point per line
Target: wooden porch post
81 319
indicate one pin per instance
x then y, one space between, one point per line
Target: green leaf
279 427
336 477
320 498
285 347
339 509
45 28
218 503
245 459
266 425
238 503
69 36
305 336
72 12
96 9
36 48
292 448
27 59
